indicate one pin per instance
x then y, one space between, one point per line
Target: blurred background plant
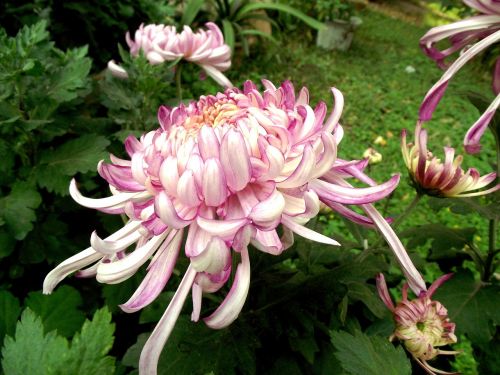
315 308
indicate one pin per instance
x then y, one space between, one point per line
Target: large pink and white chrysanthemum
160 43
224 172
470 36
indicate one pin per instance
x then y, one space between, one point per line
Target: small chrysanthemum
469 36
224 172
448 179
421 324
161 43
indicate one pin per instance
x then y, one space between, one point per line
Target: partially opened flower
433 177
421 324
223 172
483 29
161 43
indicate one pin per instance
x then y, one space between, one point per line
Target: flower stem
178 85
493 226
407 211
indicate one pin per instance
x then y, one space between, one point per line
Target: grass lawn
382 98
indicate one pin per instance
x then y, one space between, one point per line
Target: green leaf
18 209
367 294
9 311
315 24
360 354
89 348
194 348
228 29
471 305
69 79
59 310
191 10
443 239
31 352
56 167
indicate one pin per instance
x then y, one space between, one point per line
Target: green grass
381 98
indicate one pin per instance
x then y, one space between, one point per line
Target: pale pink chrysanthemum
161 43
470 36
225 171
421 324
433 177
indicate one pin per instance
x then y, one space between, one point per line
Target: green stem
407 211
178 85
493 226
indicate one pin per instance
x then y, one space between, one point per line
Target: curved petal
122 269
415 280
231 307
306 232
157 277
115 201
151 351
70 265
351 195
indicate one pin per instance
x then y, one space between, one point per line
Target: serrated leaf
360 354
59 310
89 348
471 305
9 311
71 77
194 348
56 167
18 209
31 351
367 294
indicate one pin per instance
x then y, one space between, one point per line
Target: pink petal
231 307
152 349
306 232
157 277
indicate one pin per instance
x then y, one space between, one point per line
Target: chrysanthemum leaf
59 310
360 354
71 77
9 311
18 209
31 351
89 348
57 166
472 306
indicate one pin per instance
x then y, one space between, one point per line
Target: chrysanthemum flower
421 324
483 28
225 172
433 177
161 43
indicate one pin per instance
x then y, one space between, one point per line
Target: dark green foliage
34 351
360 354
195 349
100 24
472 305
